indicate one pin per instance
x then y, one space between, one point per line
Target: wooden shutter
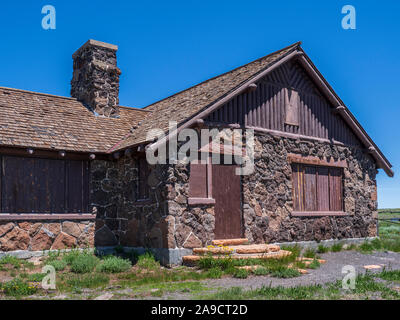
335 189
310 189
323 189
198 180
298 195
317 188
34 185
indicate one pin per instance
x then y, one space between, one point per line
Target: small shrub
377 244
241 274
36 277
337 247
70 256
392 275
17 287
309 253
295 250
147 261
314 264
214 273
261 271
59 265
366 246
225 263
84 263
114 264
322 249
284 272
53 255
11 260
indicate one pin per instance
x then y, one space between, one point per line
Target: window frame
207 198
313 162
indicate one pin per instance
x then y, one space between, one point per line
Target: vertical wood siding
317 188
265 107
35 185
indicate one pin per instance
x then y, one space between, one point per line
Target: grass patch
59 265
322 249
261 271
337 247
366 288
241 273
147 261
284 272
94 280
314 264
310 253
84 263
392 275
214 273
114 264
17 287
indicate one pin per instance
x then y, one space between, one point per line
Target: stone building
75 173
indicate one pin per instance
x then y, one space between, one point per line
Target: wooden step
229 242
240 249
190 260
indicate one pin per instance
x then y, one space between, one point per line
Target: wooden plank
198 181
323 189
292 157
310 189
298 196
75 186
227 195
335 189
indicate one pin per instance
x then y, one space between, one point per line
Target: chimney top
95 78
96 43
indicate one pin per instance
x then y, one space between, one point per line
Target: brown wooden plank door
227 194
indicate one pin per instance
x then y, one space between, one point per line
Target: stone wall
46 235
121 218
267 198
267 194
166 221
188 226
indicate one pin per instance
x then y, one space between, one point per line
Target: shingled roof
36 120
185 104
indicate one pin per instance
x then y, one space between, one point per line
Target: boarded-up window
143 191
317 188
198 180
33 185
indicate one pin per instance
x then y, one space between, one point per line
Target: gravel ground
327 272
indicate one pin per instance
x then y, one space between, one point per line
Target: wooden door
227 194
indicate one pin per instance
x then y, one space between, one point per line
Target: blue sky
167 46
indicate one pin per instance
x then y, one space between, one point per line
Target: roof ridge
62 97
38 93
296 44
135 108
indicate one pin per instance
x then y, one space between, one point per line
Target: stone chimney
95 80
